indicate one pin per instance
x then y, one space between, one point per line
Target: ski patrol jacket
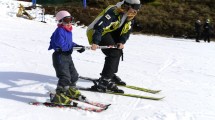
61 39
109 20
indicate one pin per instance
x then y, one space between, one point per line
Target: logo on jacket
108 16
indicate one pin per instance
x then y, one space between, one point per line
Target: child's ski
74 106
52 92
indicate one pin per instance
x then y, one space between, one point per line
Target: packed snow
183 69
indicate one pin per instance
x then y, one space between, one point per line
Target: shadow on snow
13 80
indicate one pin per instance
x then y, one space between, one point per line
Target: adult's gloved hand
82 48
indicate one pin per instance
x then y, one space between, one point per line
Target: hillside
161 17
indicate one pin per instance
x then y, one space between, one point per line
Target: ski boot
74 93
117 80
105 85
60 97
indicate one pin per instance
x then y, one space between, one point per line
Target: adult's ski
72 106
141 89
127 86
122 94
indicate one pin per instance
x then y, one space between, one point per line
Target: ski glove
82 49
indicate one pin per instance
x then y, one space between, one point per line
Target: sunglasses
133 6
67 20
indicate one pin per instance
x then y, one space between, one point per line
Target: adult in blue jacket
62 43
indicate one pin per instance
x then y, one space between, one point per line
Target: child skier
62 43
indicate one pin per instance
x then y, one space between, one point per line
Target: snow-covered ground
183 69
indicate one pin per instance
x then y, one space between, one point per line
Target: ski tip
107 107
161 98
157 91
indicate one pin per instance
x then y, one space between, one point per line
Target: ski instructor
112 27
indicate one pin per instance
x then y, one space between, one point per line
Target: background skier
207 30
112 27
34 2
62 43
43 15
198 26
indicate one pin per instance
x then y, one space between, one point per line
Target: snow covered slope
183 69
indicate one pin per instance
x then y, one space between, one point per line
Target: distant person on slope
112 27
62 43
34 2
198 26
207 30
